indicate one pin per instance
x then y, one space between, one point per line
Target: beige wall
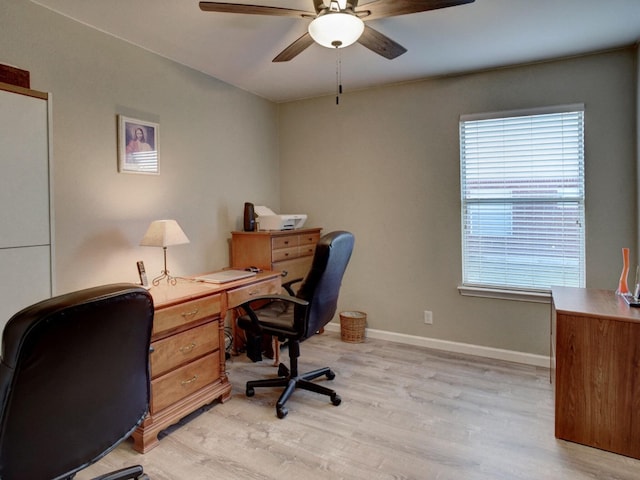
218 149
385 165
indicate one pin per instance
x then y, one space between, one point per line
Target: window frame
513 292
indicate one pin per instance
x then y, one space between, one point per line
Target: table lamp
164 233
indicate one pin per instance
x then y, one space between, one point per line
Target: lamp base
171 280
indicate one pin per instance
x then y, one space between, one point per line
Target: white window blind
522 177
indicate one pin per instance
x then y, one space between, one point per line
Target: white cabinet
25 206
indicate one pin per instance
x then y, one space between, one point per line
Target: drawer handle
190 314
191 380
188 348
286 242
254 292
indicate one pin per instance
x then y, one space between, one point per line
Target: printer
268 220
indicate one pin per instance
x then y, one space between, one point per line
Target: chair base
129 473
303 381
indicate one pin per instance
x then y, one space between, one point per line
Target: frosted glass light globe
336 29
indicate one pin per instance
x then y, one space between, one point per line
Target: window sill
535 296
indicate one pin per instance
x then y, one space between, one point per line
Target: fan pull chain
338 76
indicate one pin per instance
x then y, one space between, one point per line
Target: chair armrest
285 298
246 306
287 285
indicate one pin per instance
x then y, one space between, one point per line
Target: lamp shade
164 233
336 29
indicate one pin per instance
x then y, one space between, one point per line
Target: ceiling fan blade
387 8
252 9
380 44
295 48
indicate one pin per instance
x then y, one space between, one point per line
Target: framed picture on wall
138 146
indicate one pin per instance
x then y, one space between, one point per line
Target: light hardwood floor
406 413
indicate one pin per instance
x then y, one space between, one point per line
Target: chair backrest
74 380
321 285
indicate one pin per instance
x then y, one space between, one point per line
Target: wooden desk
187 356
596 357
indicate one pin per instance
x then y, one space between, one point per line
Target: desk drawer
239 295
309 239
171 352
296 268
285 242
176 385
307 250
285 254
170 318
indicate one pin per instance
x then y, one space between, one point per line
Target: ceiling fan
341 23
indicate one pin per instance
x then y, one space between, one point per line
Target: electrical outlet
428 317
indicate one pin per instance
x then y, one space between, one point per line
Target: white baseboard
456 347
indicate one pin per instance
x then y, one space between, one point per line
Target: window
522 178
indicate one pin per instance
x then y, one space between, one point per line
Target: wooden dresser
595 353
187 355
288 251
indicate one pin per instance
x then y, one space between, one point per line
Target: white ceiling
238 49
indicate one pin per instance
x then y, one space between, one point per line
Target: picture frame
138 146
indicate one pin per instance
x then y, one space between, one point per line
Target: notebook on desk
225 276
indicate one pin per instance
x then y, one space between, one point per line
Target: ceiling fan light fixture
336 29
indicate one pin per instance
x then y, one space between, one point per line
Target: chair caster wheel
335 399
282 412
331 375
250 392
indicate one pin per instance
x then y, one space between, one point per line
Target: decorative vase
623 288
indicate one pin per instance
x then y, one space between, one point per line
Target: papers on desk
225 276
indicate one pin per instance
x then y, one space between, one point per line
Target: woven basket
352 326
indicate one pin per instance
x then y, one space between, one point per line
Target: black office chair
74 382
313 307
